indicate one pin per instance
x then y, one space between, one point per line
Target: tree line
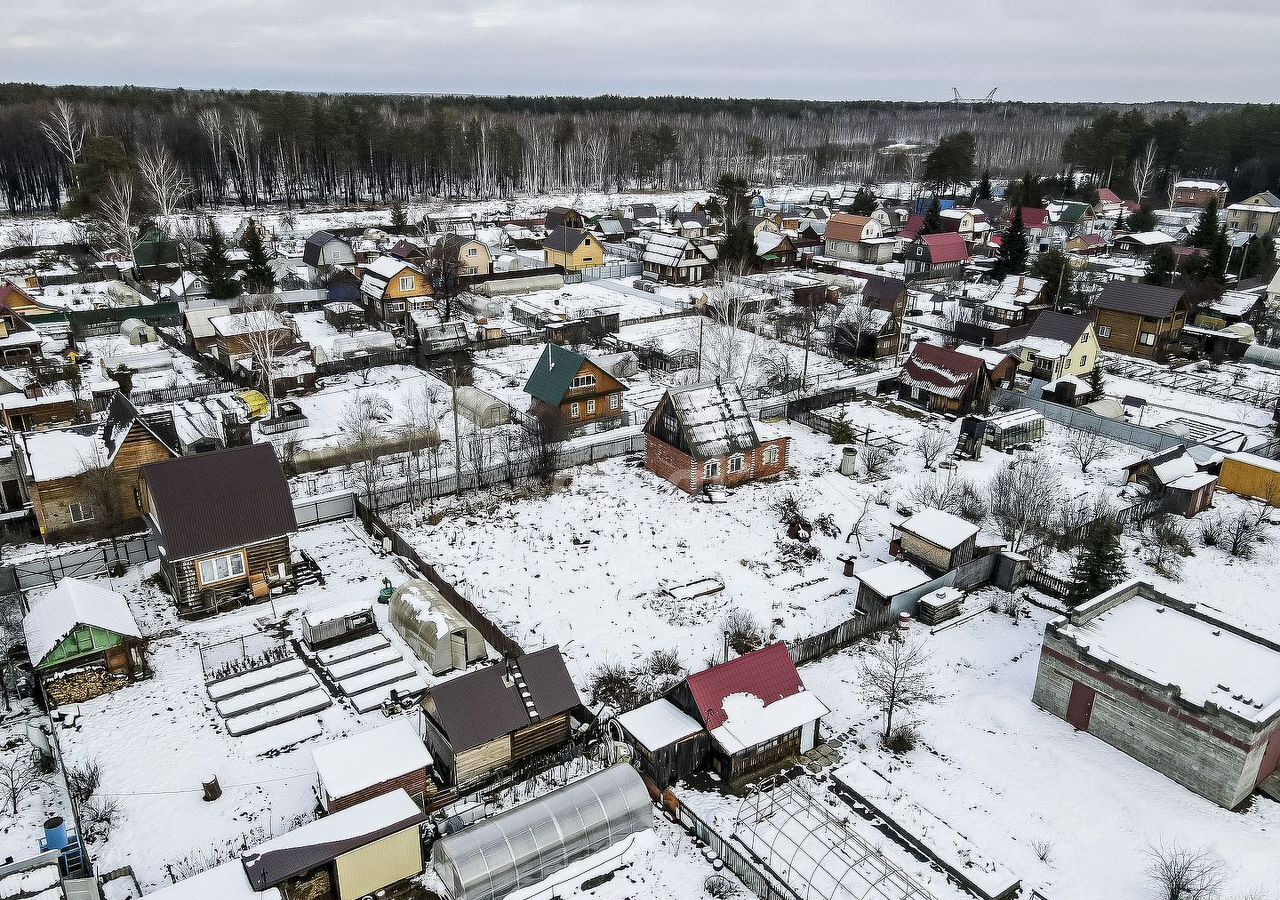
288 148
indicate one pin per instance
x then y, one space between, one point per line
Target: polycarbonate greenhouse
526 844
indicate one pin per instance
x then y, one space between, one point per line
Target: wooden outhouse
372 763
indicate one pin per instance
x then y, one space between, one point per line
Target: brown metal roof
481 706
1140 299
218 501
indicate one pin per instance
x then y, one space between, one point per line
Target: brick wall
667 462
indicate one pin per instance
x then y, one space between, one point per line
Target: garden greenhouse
533 841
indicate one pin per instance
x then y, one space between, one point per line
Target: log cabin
945 381
223 520
488 720
572 392
391 287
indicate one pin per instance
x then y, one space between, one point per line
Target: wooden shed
669 743
1250 475
936 540
433 629
371 763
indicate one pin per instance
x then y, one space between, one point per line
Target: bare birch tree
115 213
66 131
932 443
210 122
243 136
264 338
896 675
363 421
19 776
1024 497
1088 446
1144 170
165 183
730 338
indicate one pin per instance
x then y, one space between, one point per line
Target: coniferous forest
59 145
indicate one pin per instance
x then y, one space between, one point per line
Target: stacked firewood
80 686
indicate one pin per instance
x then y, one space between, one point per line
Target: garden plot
269 696
367 669
1165 404
1071 815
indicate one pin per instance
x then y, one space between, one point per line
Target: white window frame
591 407
582 381
613 401
771 455
406 282
736 464
236 566
80 512
574 410
398 306
1146 338
1104 331
711 469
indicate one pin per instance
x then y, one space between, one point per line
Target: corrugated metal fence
1135 435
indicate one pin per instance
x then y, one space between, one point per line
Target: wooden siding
541 736
184 582
387 861
1126 327
933 556
417 784
589 253
1247 480
479 761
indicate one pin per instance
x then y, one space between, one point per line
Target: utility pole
457 435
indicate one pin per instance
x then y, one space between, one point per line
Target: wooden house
935 540
1057 345
1140 319
568 390
467 256
324 251
680 260
702 435
223 521
1175 480
411 252
572 249
83 480
391 287
936 257
755 709
1002 366
20 343
1250 475
487 720
235 334
1016 301
945 381
372 763
197 326
774 251
81 624
1142 244
563 217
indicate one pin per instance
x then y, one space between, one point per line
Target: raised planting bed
295 707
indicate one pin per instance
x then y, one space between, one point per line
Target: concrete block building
1190 695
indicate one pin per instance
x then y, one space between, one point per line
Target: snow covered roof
989 355
893 578
713 418
669 250
198 320
351 764
73 603
750 721
1173 644
387 267
238 324
659 724
940 371
941 528
1147 238
1193 184
1235 303
225 882
324 840
1259 462
1082 388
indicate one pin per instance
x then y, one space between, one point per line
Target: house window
471 251
1084 360
582 381
406 282
81 513
1146 338
613 401
771 456
221 568
1104 331
711 469
395 307
574 410
591 407
735 465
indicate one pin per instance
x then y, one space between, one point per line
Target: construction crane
990 98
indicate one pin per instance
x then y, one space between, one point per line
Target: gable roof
359 761
566 240
1034 218
557 215
911 230
767 673
480 706
1059 326
883 288
946 247
938 370
220 500
940 527
1139 299
1106 195
62 452
846 227
712 417
73 603
315 245
553 373
387 267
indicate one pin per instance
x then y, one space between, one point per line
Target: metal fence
182 392
324 509
597 273
1135 435
81 561
399 357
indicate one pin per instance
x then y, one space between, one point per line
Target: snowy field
159 740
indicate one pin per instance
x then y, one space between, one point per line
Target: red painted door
1270 759
1080 706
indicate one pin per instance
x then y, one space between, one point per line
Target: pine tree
932 218
1097 380
864 203
1207 228
399 218
1219 254
1121 224
1099 564
216 267
1143 220
1160 266
258 277
738 251
1012 258
984 186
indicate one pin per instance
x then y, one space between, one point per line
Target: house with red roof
936 257
756 710
857 239
944 380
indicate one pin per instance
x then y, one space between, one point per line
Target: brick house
1198 192
702 435
1139 319
573 392
1190 695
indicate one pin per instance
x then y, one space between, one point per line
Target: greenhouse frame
533 841
1011 429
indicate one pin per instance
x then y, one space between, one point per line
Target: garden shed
533 841
80 624
433 629
337 623
482 409
1013 429
669 743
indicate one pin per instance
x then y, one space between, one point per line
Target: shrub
744 632
615 685
902 739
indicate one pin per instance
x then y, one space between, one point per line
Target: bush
744 632
613 684
902 739
664 663
841 433
719 887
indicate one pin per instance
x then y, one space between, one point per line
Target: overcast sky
1126 50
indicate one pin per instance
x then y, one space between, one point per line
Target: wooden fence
819 645
488 629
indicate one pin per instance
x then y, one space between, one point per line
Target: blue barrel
55 834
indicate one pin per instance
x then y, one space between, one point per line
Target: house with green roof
572 392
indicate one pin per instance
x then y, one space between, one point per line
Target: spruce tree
1161 266
258 277
1143 220
738 251
1012 258
1099 564
216 268
399 219
932 218
864 203
1206 229
984 186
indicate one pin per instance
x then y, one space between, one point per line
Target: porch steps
313 701
238 684
247 701
369 700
